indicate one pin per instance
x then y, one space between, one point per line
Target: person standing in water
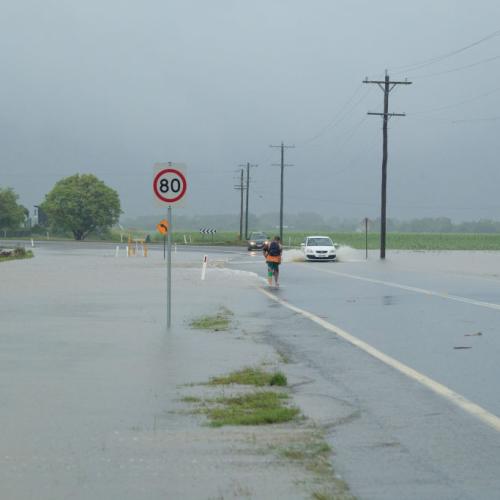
272 253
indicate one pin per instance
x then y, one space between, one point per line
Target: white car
319 248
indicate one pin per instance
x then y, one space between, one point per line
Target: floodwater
461 262
91 382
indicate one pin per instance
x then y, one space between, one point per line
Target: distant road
61 245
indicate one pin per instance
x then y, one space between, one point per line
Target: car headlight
252 242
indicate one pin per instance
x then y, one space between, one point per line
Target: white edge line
414 289
455 398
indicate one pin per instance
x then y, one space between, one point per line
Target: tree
82 204
12 215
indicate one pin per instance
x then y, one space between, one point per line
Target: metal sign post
169 187
162 228
169 268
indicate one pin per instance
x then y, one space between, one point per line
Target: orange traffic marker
163 226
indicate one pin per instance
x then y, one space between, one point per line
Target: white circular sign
169 185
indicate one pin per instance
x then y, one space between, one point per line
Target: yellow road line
455 398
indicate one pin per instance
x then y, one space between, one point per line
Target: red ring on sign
168 171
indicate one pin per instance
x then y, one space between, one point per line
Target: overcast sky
110 87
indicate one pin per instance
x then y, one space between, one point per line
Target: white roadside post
169 188
204 267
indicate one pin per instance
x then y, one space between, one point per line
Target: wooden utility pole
241 187
386 85
282 164
246 208
248 166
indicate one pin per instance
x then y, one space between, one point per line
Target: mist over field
315 222
110 88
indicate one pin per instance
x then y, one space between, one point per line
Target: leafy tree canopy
82 204
12 215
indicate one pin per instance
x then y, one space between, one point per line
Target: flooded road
90 382
436 313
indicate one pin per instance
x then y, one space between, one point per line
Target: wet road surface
91 383
443 324
438 314
392 436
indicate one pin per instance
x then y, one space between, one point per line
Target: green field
395 241
418 241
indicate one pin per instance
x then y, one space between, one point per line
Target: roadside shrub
19 252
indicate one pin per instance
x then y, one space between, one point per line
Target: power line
465 101
356 158
415 66
344 111
263 186
351 134
471 120
460 68
342 201
333 120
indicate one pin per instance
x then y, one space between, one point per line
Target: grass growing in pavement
258 408
191 399
326 495
307 447
251 376
284 357
313 452
310 450
218 322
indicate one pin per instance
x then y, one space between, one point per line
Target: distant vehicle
318 248
257 240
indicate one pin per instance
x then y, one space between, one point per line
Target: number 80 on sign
169 185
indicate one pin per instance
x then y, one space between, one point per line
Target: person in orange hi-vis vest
272 253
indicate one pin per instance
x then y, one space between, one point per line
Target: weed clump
258 408
218 322
278 378
191 399
251 376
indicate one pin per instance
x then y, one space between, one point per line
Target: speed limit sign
169 184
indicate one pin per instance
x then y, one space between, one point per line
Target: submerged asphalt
90 376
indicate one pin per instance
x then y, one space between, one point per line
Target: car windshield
319 242
258 236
